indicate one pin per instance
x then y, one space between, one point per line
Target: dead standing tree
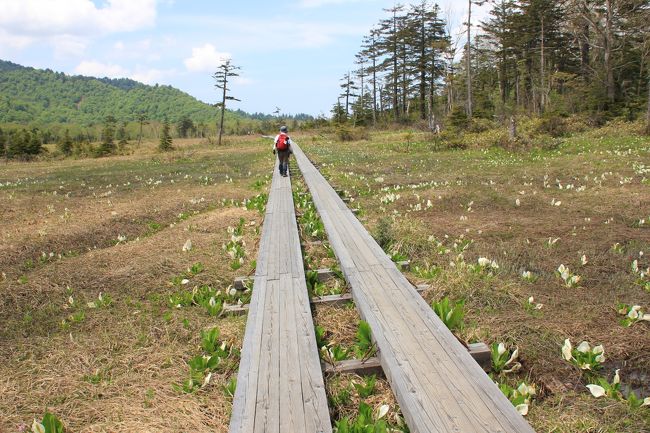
224 72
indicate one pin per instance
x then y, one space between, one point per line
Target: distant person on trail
282 145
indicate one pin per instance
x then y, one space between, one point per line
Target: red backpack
283 142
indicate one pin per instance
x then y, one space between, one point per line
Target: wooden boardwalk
280 385
438 385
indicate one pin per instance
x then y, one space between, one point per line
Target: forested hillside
43 97
531 57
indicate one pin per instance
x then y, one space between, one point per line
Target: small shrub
458 118
554 126
478 125
384 233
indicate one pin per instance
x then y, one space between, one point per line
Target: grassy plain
526 211
74 228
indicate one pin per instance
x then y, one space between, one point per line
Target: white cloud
321 3
93 68
69 25
150 76
205 59
47 17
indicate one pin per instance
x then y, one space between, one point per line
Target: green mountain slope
34 96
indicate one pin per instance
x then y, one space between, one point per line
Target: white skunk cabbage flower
600 351
37 427
206 381
596 390
617 378
566 350
634 312
382 411
583 347
483 261
525 389
188 245
514 356
522 409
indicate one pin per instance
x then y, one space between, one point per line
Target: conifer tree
65 145
122 135
226 71
107 146
3 143
165 137
142 120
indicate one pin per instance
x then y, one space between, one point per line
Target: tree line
533 57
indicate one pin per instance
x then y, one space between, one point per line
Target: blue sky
292 52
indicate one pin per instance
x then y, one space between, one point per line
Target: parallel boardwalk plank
280 385
438 385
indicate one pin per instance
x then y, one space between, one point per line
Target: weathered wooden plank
263 392
433 370
280 384
437 383
357 366
494 402
244 399
292 416
479 351
314 396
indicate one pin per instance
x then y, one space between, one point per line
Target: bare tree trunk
374 92
518 101
361 106
647 114
542 90
347 97
607 46
469 62
395 73
223 109
512 128
430 115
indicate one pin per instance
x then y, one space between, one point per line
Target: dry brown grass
113 371
516 236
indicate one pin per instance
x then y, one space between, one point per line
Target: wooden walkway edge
280 385
438 385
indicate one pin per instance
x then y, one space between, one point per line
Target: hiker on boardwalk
282 144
